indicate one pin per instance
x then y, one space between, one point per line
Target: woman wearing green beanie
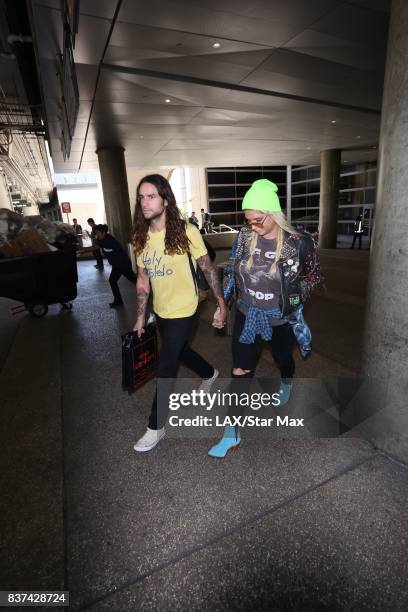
271 272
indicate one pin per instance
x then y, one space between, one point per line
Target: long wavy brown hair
175 241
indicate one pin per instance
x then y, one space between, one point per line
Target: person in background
206 221
97 252
272 270
168 250
78 232
193 219
118 259
358 231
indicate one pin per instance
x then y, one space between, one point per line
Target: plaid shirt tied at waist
258 322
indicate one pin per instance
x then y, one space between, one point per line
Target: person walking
206 223
358 231
168 250
78 232
118 259
193 219
96 252
272 270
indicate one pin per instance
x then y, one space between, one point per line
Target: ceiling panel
355 23
294 12
104 9
211 23
151 42
206 67
86 77
295 73
116 87
339 50
201 16
142 113
199 95
374 5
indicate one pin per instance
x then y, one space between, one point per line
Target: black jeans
115 276
359 236
98 256
175 335
245 356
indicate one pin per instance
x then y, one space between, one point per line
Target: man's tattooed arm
210 273
142 297
141 302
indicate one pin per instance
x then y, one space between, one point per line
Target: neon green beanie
262 196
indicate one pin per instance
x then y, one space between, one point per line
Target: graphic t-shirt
258 286
173 286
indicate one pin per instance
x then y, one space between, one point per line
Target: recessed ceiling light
333 121
358 136
216 45
308 148
167 100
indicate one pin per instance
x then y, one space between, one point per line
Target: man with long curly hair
168 250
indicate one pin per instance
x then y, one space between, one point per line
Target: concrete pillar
329 197
386 332
115 192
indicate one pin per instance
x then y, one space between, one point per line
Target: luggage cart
40 280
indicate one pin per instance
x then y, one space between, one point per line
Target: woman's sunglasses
249 223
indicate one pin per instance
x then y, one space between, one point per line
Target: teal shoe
284 393
229 441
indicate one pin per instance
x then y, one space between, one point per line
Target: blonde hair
283 226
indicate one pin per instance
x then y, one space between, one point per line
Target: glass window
369 196
313 200
345 229
299 189
227 219
298 214
300 175
224 206
221 192
275 177
248 176
241 190
299 202
345 214
220 178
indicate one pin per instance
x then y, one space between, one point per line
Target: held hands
220 317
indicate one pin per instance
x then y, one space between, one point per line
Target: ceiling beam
234 87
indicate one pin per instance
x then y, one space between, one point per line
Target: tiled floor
282 524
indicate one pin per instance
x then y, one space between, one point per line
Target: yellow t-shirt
173 286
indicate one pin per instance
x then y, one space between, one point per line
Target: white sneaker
208 382
149 440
